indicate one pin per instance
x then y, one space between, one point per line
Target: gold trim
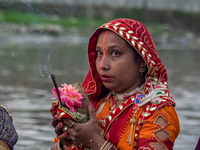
104 144
4 146
81 118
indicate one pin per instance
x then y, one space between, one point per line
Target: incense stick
55 84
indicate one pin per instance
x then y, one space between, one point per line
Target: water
183 68
26 87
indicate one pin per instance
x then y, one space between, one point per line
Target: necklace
117 97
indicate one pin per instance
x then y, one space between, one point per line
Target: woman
127 83
8 134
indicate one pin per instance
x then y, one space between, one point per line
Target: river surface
26 87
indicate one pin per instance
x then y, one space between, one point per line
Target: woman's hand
58 125
86 134
54 107
62 136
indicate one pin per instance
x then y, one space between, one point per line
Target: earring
142 69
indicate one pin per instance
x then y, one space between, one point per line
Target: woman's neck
139 84
121 96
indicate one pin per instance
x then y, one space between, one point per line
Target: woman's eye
99 53
115 53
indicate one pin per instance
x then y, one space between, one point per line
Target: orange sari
147 137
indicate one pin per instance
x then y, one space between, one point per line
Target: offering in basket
73 102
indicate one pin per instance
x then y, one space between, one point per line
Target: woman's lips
106 78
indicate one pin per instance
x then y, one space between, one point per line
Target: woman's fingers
61 131
65 128
54 107
92 113
63 139
58 128
80 133
68 122
54 121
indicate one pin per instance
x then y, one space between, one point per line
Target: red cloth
92 83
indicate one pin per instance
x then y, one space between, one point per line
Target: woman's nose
104 62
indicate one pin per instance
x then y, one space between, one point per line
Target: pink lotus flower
69 96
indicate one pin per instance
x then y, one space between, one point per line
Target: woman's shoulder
152 113
3 108
162 125
4 112
9 138
167 112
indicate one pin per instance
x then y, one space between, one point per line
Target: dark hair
103 93
136 54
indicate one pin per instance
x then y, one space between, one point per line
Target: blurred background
38 35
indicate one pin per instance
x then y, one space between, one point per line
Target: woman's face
115 63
